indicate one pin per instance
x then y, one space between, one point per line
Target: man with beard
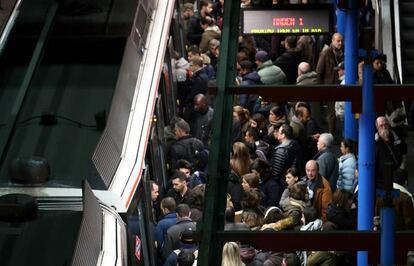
389 148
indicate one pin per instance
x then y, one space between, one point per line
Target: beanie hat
262 56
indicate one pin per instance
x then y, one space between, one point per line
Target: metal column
351 66
366 160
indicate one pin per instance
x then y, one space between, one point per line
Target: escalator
406 11
71 88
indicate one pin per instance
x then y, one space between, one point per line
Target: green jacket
271 74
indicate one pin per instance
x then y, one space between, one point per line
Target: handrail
5 32
34 63
397 38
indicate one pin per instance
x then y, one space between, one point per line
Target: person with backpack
186 147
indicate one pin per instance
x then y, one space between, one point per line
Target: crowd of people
286 172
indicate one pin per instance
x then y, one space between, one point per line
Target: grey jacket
328 166
172 238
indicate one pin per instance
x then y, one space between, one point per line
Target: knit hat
262 56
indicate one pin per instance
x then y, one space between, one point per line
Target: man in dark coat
389 148
198 80
286 155
185 146
290 60
195 30
180 191
201 117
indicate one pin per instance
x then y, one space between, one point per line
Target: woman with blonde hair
240 159
231 255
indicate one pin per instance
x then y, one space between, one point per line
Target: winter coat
200 124
172 238
285 156
322 196
271 74
343 219
391 152
163 225
235 189
180 149
289 62
212 32
180 71
346 172
284 224
310 78
382 77
213 61
195 30
186 198
328 166
172 258
326 64
198 84
249 100
271 192
299 131
294 208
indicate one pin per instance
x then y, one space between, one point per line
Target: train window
156 147
141 20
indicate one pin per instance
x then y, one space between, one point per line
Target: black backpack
196 153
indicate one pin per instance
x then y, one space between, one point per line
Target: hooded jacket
212 32
346 172
249 100
271 74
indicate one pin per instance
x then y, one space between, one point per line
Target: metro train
61 224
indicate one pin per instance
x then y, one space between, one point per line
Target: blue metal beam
366 159
351 66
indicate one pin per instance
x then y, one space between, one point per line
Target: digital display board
297 19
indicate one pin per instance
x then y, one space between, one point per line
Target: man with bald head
201 117
329 59
322 193
305 75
